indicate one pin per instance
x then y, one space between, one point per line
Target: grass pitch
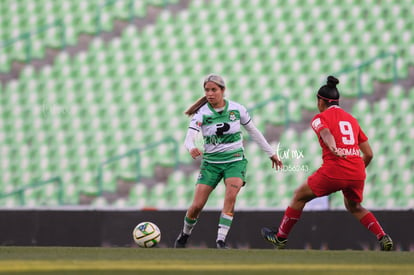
75 260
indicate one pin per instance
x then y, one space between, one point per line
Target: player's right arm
367 153
193 129
329 140
189 143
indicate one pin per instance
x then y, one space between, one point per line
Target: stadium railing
20 192
136 153
109 3
274 98
365 64
28 35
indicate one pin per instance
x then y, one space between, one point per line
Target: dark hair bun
332 81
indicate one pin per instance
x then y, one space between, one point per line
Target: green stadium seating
52 25
107 100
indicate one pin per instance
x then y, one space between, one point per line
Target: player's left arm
367 153
258 137
329 140
365 148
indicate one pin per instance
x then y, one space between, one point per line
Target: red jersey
348 135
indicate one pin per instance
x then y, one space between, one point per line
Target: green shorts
212 173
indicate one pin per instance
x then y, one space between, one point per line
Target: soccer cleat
270 236
386 243
221 244
181 240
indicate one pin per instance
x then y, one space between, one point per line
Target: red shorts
322 185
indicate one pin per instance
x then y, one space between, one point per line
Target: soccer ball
146 234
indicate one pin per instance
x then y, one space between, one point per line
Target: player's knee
231 196
353 207
196 208
303 193
296 194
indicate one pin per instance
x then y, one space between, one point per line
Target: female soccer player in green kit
219 120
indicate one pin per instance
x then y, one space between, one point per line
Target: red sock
372 224
289 219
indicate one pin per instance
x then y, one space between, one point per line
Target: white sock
189 225
224 226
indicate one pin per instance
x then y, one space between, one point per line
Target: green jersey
223 141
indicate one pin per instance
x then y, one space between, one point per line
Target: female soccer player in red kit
343 169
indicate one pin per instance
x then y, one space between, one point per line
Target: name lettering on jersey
349 151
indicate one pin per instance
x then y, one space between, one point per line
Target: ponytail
196 106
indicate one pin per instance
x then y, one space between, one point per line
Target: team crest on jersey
232 116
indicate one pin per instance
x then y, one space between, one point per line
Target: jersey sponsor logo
316 123
230 116
208 120
221 128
